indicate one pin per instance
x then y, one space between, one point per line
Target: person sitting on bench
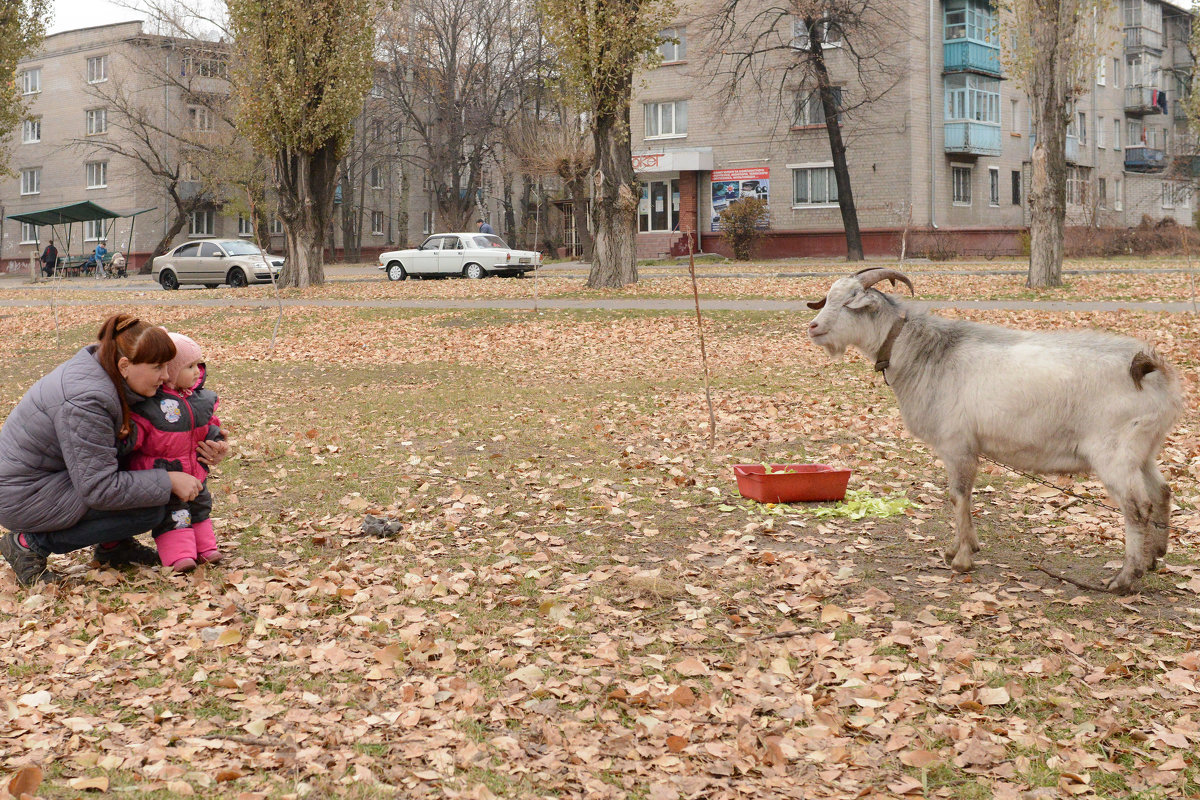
96 261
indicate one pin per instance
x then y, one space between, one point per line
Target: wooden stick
1065 579
712 417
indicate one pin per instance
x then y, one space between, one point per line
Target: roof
74 212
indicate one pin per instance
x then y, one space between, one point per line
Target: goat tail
1144 362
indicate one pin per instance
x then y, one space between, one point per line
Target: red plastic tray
801 483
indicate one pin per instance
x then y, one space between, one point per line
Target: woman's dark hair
140 342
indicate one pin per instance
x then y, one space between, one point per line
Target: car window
188 250
451 243
432 243
488 241
209 250
242 249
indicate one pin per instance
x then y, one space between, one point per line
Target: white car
471 255
212 262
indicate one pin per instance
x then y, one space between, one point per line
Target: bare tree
1051 51
559 148
823 58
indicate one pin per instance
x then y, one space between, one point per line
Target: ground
578 602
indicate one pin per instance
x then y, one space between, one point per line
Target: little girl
169 425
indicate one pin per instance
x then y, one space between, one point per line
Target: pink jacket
169 425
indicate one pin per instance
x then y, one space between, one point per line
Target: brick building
949 143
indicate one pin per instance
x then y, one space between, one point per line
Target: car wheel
395 271
474 272
236 278
167 280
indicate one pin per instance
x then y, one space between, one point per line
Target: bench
74 266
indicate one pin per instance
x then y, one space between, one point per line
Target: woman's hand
185 487
212 453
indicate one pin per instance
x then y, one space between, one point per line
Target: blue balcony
1144 159
965 55
973 138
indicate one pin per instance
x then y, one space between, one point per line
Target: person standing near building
49 259
484 227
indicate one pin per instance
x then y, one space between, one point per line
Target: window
204 64
1168 194
200 118
1077 186
31 131
276 226
209 250
426 181
658 209
245 226
377 129
829 35
811 111
666 119
377 223
376 178
93 231
973 97
201 223
31 81
1116 72
31 180
1150 137
97 174
376 90
1016 187
1102 192
1117 204
1082 128
1134 134
961 179
1116 142
426 222
676 48
814 186
1101 70
994 186
29 233
97 121
97 69
1100 132
1014 118
971 19
189 172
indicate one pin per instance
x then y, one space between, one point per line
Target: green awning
75 212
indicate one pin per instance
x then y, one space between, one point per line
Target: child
169 426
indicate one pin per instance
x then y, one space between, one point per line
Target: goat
1050 402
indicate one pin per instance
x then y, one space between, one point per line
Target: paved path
608 305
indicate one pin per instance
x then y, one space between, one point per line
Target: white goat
1056 402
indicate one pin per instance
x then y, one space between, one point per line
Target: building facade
942 157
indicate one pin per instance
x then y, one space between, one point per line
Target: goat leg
962 470
1158 530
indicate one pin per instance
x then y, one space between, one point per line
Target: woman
61 488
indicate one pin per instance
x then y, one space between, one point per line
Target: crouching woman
61 485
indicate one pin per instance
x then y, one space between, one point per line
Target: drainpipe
933 37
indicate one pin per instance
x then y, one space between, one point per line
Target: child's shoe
206 542
177 549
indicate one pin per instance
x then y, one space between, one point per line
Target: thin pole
712 417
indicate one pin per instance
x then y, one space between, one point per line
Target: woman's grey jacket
58 452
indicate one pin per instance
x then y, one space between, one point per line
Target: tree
600 44
795 44
1051 52
22 25
562 149
303 70
457 71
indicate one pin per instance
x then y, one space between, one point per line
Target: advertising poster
734 184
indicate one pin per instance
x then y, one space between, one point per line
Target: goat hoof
949 554
1123 581
962 562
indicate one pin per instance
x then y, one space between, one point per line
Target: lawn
578 603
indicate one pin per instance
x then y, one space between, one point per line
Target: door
450 257
210 265
424 261
186 263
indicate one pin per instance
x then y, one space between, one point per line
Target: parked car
212 262
471 255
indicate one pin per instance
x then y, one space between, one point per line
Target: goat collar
883 357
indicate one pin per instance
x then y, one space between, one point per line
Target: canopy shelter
67 215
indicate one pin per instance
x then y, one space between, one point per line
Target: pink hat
186 351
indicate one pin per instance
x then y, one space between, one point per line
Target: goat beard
832 349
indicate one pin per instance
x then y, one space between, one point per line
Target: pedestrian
49 259
96 260
61 486
484 227
170 425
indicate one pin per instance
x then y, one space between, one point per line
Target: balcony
1139 100
1072 149
1144 159
1139 38
973 138
965 55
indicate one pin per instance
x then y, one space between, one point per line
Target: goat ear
863 300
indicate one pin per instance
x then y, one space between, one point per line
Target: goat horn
817 303
873 275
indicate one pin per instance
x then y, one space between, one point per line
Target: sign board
729 185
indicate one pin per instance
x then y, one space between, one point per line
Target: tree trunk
1048 197
837 147
614 204
402 217
579 208
305 182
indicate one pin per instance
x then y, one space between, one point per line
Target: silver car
212 262
471 255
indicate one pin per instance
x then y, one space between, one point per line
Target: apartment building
944 153
79 145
